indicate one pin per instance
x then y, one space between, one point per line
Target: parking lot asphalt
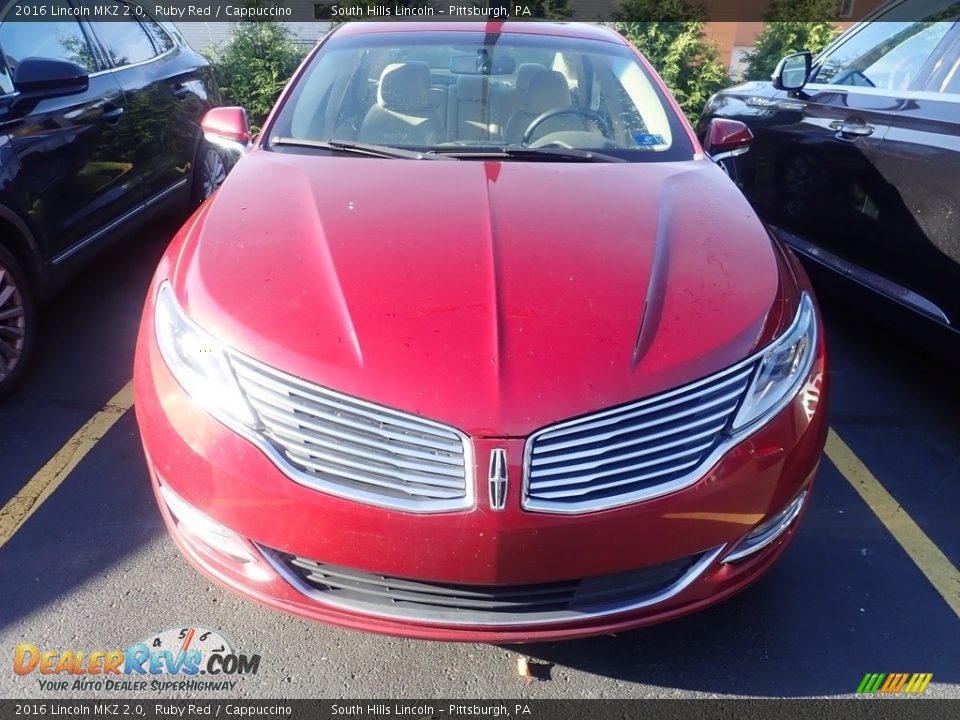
93 568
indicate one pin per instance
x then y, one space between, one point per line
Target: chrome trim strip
276 416
856 90
614 415
869 279
154 59
686 440
729 154
346 458
745 549
232 146
461 618
590 477
725 444
724 402
273 384
434 505
554 495
129 215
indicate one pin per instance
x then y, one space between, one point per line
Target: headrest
548 90
525 74
473 88
404 86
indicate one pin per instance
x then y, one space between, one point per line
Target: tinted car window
57 40
381 88
6 83
159 36
125 43
949 82
883 55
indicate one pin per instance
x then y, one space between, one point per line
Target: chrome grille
355 449
636 451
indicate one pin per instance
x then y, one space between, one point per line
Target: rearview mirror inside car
792 72
37 78
482 64
227 127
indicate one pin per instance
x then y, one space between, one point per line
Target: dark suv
99 132
855 162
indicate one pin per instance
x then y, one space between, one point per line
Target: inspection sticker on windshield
648 139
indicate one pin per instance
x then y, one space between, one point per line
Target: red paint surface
497 298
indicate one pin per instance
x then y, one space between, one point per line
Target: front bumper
228 479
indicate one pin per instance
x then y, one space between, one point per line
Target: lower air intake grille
487 604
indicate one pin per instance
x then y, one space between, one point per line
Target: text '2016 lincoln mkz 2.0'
476 343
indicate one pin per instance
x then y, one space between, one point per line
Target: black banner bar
181 11
866 708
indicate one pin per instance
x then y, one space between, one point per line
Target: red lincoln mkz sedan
476 343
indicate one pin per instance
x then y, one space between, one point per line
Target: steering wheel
591 115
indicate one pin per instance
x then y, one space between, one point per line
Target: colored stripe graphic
871 682
918 683
894 683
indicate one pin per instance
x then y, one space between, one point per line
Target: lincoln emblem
498 479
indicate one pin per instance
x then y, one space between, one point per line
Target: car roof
580 30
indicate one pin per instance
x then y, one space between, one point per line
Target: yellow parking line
31 496
941 573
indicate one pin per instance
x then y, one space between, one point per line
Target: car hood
498 297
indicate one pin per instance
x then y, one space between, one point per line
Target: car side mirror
727 138
792 72
37 78
227 127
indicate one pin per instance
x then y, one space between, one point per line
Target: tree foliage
671 37
253 68
551 9
791 26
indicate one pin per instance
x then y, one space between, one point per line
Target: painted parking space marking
48 478
936 566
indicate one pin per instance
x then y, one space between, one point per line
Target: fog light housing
767 531
205 529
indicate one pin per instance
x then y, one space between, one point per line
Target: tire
209 171
18 322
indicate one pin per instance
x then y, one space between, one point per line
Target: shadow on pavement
845 599
105 509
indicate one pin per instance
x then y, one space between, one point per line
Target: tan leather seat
403 113
525 73
548 91
477 109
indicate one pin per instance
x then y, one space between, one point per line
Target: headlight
198 362
783 368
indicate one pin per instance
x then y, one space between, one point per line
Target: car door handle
181 91
112 114
850 131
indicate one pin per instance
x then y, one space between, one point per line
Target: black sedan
99 132
855 161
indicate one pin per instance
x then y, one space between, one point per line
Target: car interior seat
548 90
405 113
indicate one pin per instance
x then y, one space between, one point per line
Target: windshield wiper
348 146
521 152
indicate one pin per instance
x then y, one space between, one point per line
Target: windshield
453 92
